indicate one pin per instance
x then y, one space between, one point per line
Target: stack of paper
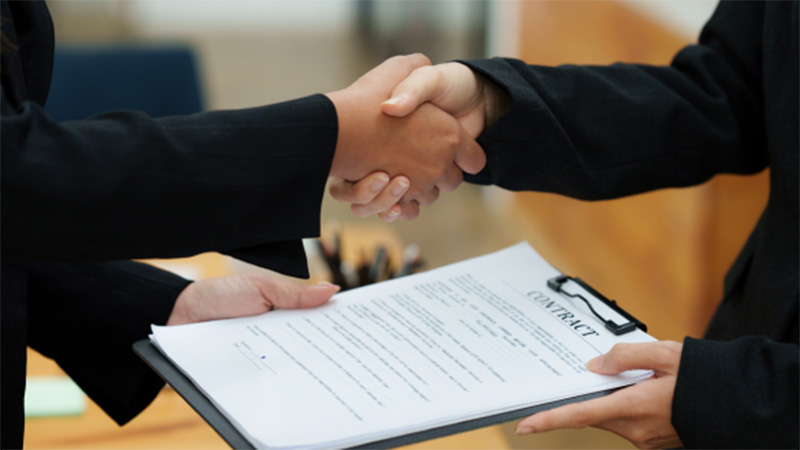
469 340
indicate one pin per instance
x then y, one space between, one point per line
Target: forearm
87 316
599 132
123 185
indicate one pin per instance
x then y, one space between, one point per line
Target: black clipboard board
200 403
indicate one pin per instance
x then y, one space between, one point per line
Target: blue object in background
158 80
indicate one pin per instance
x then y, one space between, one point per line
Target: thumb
470 157
659 356
284 294
422 85
390 73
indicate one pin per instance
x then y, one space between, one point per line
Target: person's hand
429 147
641 413
472 99
375 194
244 295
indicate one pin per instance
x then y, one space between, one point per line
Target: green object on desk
53 396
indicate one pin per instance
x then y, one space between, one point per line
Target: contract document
468 340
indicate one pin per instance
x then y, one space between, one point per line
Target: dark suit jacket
726 105
122 185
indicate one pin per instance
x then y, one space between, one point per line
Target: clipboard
628 324
214 417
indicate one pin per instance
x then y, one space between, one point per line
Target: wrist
182 311
496 100
339 164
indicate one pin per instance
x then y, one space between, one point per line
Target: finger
385 199
413 61
395 69
391 214
574 415
452 179
285 294
427 197
469 156
341 189
423 85
410 209
360 192
661 356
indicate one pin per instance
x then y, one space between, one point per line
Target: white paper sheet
468 340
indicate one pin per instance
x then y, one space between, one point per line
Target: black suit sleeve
86 316
737 394
122 185
596 132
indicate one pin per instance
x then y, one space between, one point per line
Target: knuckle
616 350
437 76
621 347
452 181
413 61
414 192
420 58
362 196
626 348
427 72
661 353
673 345
440 173
581 419
548 421
428 198
382 207
453 137
400 59
446 186
282 294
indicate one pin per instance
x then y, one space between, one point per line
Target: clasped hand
407 132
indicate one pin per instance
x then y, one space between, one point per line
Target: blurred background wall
662 254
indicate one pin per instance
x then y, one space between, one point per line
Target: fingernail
379 182
595 364
396 100
400 187
394 212
524 430
326 284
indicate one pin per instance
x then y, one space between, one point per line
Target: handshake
407 131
